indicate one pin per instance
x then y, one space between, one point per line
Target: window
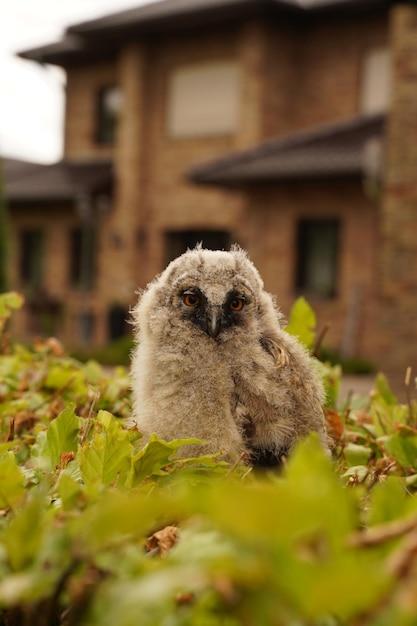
117 322
31 257
178 242
109 103
82 265
87 324
376 81
317 257
203 100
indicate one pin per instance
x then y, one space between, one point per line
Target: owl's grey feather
234 379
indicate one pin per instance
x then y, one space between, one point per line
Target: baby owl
212 362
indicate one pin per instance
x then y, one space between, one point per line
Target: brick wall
397 311
57 223
329 61
289 79
268 231
80 109
168 201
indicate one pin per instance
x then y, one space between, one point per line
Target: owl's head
210 292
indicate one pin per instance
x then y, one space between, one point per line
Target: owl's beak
213 323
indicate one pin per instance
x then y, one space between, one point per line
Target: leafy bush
98 528
114 353
350 365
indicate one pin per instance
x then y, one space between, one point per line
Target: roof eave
235 9
13 200
74 46
236 182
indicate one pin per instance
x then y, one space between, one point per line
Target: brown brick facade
80 109
269 233
396 340
294 75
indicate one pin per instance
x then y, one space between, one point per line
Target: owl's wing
278 396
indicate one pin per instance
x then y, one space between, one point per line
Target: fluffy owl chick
212 361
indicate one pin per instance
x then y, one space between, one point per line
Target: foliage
350 365
99 528
117 352
302 322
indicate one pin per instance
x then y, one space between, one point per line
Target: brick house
286 125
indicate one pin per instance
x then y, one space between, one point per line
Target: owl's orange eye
190 298
236 304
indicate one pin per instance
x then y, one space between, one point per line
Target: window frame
101 137
368 105
87 327
26 280
75 258
172 125
301 256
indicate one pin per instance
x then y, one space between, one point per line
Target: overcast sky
31 96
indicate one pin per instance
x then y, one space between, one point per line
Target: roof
62 181
12 169
84 39
333 150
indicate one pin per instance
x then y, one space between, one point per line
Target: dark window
108 108
117 322
317 257
82 263
87 324
178 242
31 257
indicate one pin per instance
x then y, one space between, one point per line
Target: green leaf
9 302
388 500
302 322
403 448
62 435
156 454
356 454
383 390
69 490
359 472
343 584
11 481
24 535
107 458
93 373
60 376
411 481
331 376
311 494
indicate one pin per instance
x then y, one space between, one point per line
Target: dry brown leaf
55 346
24 420
335 426
66 457
163 540
184 598
226 589
362 417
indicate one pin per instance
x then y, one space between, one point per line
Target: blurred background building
286 126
